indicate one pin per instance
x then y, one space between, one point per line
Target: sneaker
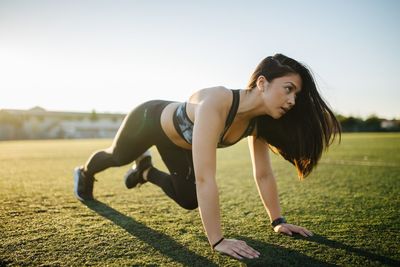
83 185
134 176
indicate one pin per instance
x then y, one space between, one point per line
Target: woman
280 109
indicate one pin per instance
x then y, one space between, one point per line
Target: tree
372 124
93 116
351 124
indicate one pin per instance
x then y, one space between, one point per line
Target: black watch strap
217 243
278 221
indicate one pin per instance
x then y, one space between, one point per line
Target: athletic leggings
140 130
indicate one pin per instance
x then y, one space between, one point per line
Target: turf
350 202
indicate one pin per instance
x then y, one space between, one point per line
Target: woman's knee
189 204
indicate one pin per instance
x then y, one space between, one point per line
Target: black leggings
140 130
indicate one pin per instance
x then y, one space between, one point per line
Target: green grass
351 202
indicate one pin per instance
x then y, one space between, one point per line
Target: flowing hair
304 131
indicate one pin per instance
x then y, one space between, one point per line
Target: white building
37 123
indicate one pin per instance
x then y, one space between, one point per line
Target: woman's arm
266 185
264 177
205 137
207 128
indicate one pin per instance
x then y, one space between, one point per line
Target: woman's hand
287 228
237 249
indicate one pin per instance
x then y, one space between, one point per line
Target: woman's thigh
138 132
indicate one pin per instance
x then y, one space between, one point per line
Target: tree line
371 124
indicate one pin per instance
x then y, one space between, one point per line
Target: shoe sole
76 182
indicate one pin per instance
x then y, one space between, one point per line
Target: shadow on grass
163 243
4 263
273 255
349 249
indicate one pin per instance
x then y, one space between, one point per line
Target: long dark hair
308 128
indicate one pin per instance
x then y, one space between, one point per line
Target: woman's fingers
302 233
237 249
301 230
235 255
243 253
254 251
248 251
242 249
282 228
309 233
290 228
298 230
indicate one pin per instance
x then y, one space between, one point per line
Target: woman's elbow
264 177
204 184
203 181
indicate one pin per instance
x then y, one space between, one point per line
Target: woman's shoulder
216 93
215 99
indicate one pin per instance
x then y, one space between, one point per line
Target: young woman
281 109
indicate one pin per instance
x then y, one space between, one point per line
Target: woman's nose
292 100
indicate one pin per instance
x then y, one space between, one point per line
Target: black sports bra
184 126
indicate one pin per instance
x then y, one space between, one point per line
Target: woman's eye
288 89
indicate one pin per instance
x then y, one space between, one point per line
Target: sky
110 56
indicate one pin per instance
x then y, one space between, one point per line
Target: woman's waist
167 124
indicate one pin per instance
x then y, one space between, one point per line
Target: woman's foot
83 185
134 176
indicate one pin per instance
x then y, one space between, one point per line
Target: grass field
351 203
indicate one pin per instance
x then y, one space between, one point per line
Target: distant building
38 123
388 124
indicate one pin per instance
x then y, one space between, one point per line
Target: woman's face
279 95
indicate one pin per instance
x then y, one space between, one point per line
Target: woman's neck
251 104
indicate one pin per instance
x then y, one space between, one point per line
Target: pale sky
113 55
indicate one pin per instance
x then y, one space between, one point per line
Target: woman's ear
261 83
